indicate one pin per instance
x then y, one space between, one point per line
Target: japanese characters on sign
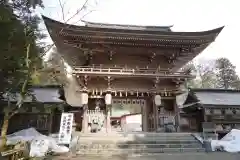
66 128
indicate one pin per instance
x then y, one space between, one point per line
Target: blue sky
185 15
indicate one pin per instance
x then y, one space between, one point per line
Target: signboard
65 128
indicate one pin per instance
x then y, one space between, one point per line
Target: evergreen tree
227 77
19 29
20 53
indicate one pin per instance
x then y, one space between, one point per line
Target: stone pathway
180 156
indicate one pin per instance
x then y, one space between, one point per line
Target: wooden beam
129 73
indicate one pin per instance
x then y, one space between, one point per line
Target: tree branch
84 16
24 86
62 8
78 11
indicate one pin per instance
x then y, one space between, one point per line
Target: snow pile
22 135
229 143
40 144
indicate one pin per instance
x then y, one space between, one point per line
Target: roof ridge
214 90
129 26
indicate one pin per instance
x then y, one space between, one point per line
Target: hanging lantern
84 98
158 100
108 98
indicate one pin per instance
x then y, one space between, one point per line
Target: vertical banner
65 128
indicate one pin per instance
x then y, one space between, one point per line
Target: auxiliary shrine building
137 67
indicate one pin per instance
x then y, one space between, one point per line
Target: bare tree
55 64
205 73
80 13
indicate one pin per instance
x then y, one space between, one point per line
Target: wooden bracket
85 80
156 81
110 55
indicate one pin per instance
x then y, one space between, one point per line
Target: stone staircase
137 143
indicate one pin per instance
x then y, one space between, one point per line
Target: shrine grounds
163 156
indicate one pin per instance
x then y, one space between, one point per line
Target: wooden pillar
148 114
108 120
157 118
177 116
85 119
154 115
51 121
144 117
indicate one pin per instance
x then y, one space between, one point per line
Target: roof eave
49 22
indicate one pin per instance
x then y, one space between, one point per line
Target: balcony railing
128 72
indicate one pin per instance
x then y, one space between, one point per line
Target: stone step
136 146
139 151
138 138
83 141
144 134
138 143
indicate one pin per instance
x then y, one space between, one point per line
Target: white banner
65 128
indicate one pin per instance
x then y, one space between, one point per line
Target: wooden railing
40 121
97 115
162 120
136 72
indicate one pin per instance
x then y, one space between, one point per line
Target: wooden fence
45 123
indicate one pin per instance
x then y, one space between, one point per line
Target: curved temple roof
71 37
52 24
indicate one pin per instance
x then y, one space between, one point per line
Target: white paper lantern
158 100
84 98
108 99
